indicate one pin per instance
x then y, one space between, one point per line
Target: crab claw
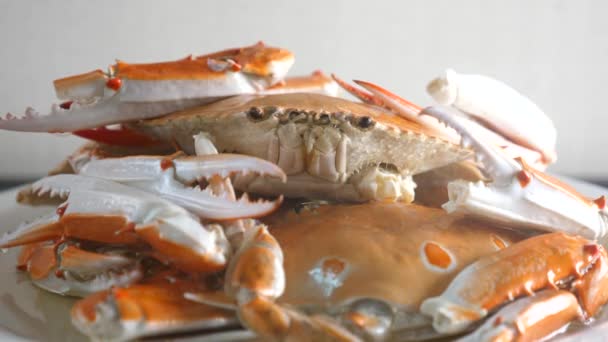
171 178
518 193
147 309
543 261
105 211
140 91
257 267
67 269
501 107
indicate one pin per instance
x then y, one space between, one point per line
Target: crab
329 147
356 282
134 224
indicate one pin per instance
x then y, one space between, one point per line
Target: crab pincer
174 179
499 106
130 92
518 193
108 212
553 260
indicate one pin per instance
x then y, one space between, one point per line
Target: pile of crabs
221 197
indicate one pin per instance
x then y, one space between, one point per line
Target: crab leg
104 211
530 318
67 269
255 278
539 262
362 95
171 179
519 194
139 91
147 309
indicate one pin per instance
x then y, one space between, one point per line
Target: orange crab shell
396 252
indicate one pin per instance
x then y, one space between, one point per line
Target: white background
553 51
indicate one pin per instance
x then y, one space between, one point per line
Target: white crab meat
105 211
518 194
325 145
496 104
172 179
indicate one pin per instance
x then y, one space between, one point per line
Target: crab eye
365 122
297 116
293 114
257 114
322 119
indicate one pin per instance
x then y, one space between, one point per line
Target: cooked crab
378 246
329 147
287 282
360 275
255 277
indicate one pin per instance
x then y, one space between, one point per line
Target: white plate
28 313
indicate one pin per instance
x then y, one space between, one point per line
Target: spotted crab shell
398 253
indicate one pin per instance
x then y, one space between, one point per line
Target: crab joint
524 178
114 83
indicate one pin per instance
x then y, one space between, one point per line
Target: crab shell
330 147
357 260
